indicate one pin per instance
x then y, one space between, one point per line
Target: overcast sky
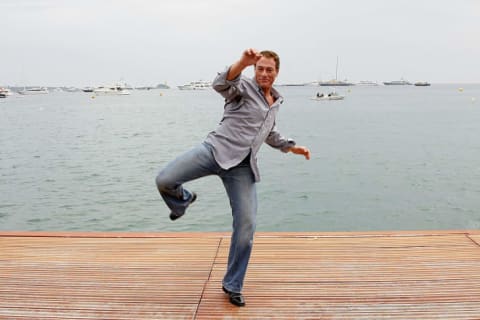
146 42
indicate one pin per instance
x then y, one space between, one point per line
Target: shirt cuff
290 143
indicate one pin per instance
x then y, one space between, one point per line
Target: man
230 152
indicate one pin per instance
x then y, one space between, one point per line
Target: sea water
384 158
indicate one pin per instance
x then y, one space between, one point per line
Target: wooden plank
403 277
361 275
91 278
216 235
98 234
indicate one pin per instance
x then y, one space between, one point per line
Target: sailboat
335 82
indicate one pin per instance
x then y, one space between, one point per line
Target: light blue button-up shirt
247 122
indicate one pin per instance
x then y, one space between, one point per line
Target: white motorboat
112 90
5 92
196 85
88 89
367 83
400 82
32 91
69 89
330 96
335 83
422 84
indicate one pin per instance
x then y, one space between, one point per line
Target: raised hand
250 57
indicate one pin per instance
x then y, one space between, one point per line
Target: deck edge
210 234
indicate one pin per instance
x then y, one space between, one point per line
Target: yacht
88 89
4 92
335 83
70 89
422 84
34 90
397 83
196 85
112 90
366 83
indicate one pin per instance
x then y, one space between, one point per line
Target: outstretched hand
301 150
250 57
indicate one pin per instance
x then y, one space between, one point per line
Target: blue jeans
240 185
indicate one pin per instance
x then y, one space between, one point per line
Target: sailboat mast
336 70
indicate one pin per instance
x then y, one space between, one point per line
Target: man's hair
271 54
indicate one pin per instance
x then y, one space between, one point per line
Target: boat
88 89
5 92
34 90
366 83
162 86
70 89
292 85
335 82
117 89
422 84
397 83
330 96
196 85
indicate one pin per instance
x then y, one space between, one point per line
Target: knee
162 181
244 217
246 233
246 227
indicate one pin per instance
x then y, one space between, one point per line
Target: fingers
307 154
252 53
303 151
251 56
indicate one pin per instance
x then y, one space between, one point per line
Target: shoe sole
174 216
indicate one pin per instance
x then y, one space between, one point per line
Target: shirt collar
276 95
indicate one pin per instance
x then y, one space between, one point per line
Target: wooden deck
377 275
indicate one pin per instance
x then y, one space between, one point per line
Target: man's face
265 72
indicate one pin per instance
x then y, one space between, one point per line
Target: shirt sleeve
229 89
275 140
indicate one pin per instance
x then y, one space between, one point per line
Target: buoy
460 89
161 94
93 97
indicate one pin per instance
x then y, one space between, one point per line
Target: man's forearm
235 70
249 58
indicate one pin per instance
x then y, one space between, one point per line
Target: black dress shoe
236 298
174 216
